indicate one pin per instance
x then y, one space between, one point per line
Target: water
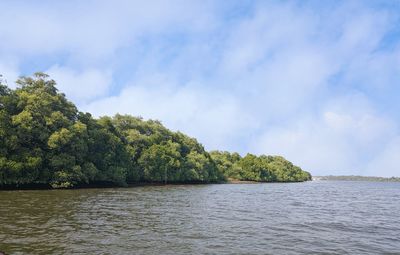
300 218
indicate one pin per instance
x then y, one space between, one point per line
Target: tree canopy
261 169
44 139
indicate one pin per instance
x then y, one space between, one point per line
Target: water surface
326 217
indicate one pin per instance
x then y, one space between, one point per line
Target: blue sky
314 81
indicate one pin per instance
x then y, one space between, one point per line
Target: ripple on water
298 218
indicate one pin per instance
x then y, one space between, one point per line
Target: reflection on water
299 218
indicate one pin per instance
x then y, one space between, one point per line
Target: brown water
299 218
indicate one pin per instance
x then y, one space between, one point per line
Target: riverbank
98 185
101 185
232 181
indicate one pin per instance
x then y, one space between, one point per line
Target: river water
319 217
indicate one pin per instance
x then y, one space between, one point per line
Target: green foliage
260 169
160 162
160 155
44 139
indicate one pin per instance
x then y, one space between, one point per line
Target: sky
317 82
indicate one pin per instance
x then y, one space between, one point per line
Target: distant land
355 178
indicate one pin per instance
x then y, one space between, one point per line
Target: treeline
261 169
44 139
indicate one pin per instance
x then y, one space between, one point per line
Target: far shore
355 178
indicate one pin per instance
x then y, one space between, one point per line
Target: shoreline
105 185
102 185
244 182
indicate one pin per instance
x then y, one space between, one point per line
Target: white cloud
91 30
347 137
273 78
81 86
387 162
10 73
205 114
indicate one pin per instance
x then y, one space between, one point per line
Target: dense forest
261 169
45 140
